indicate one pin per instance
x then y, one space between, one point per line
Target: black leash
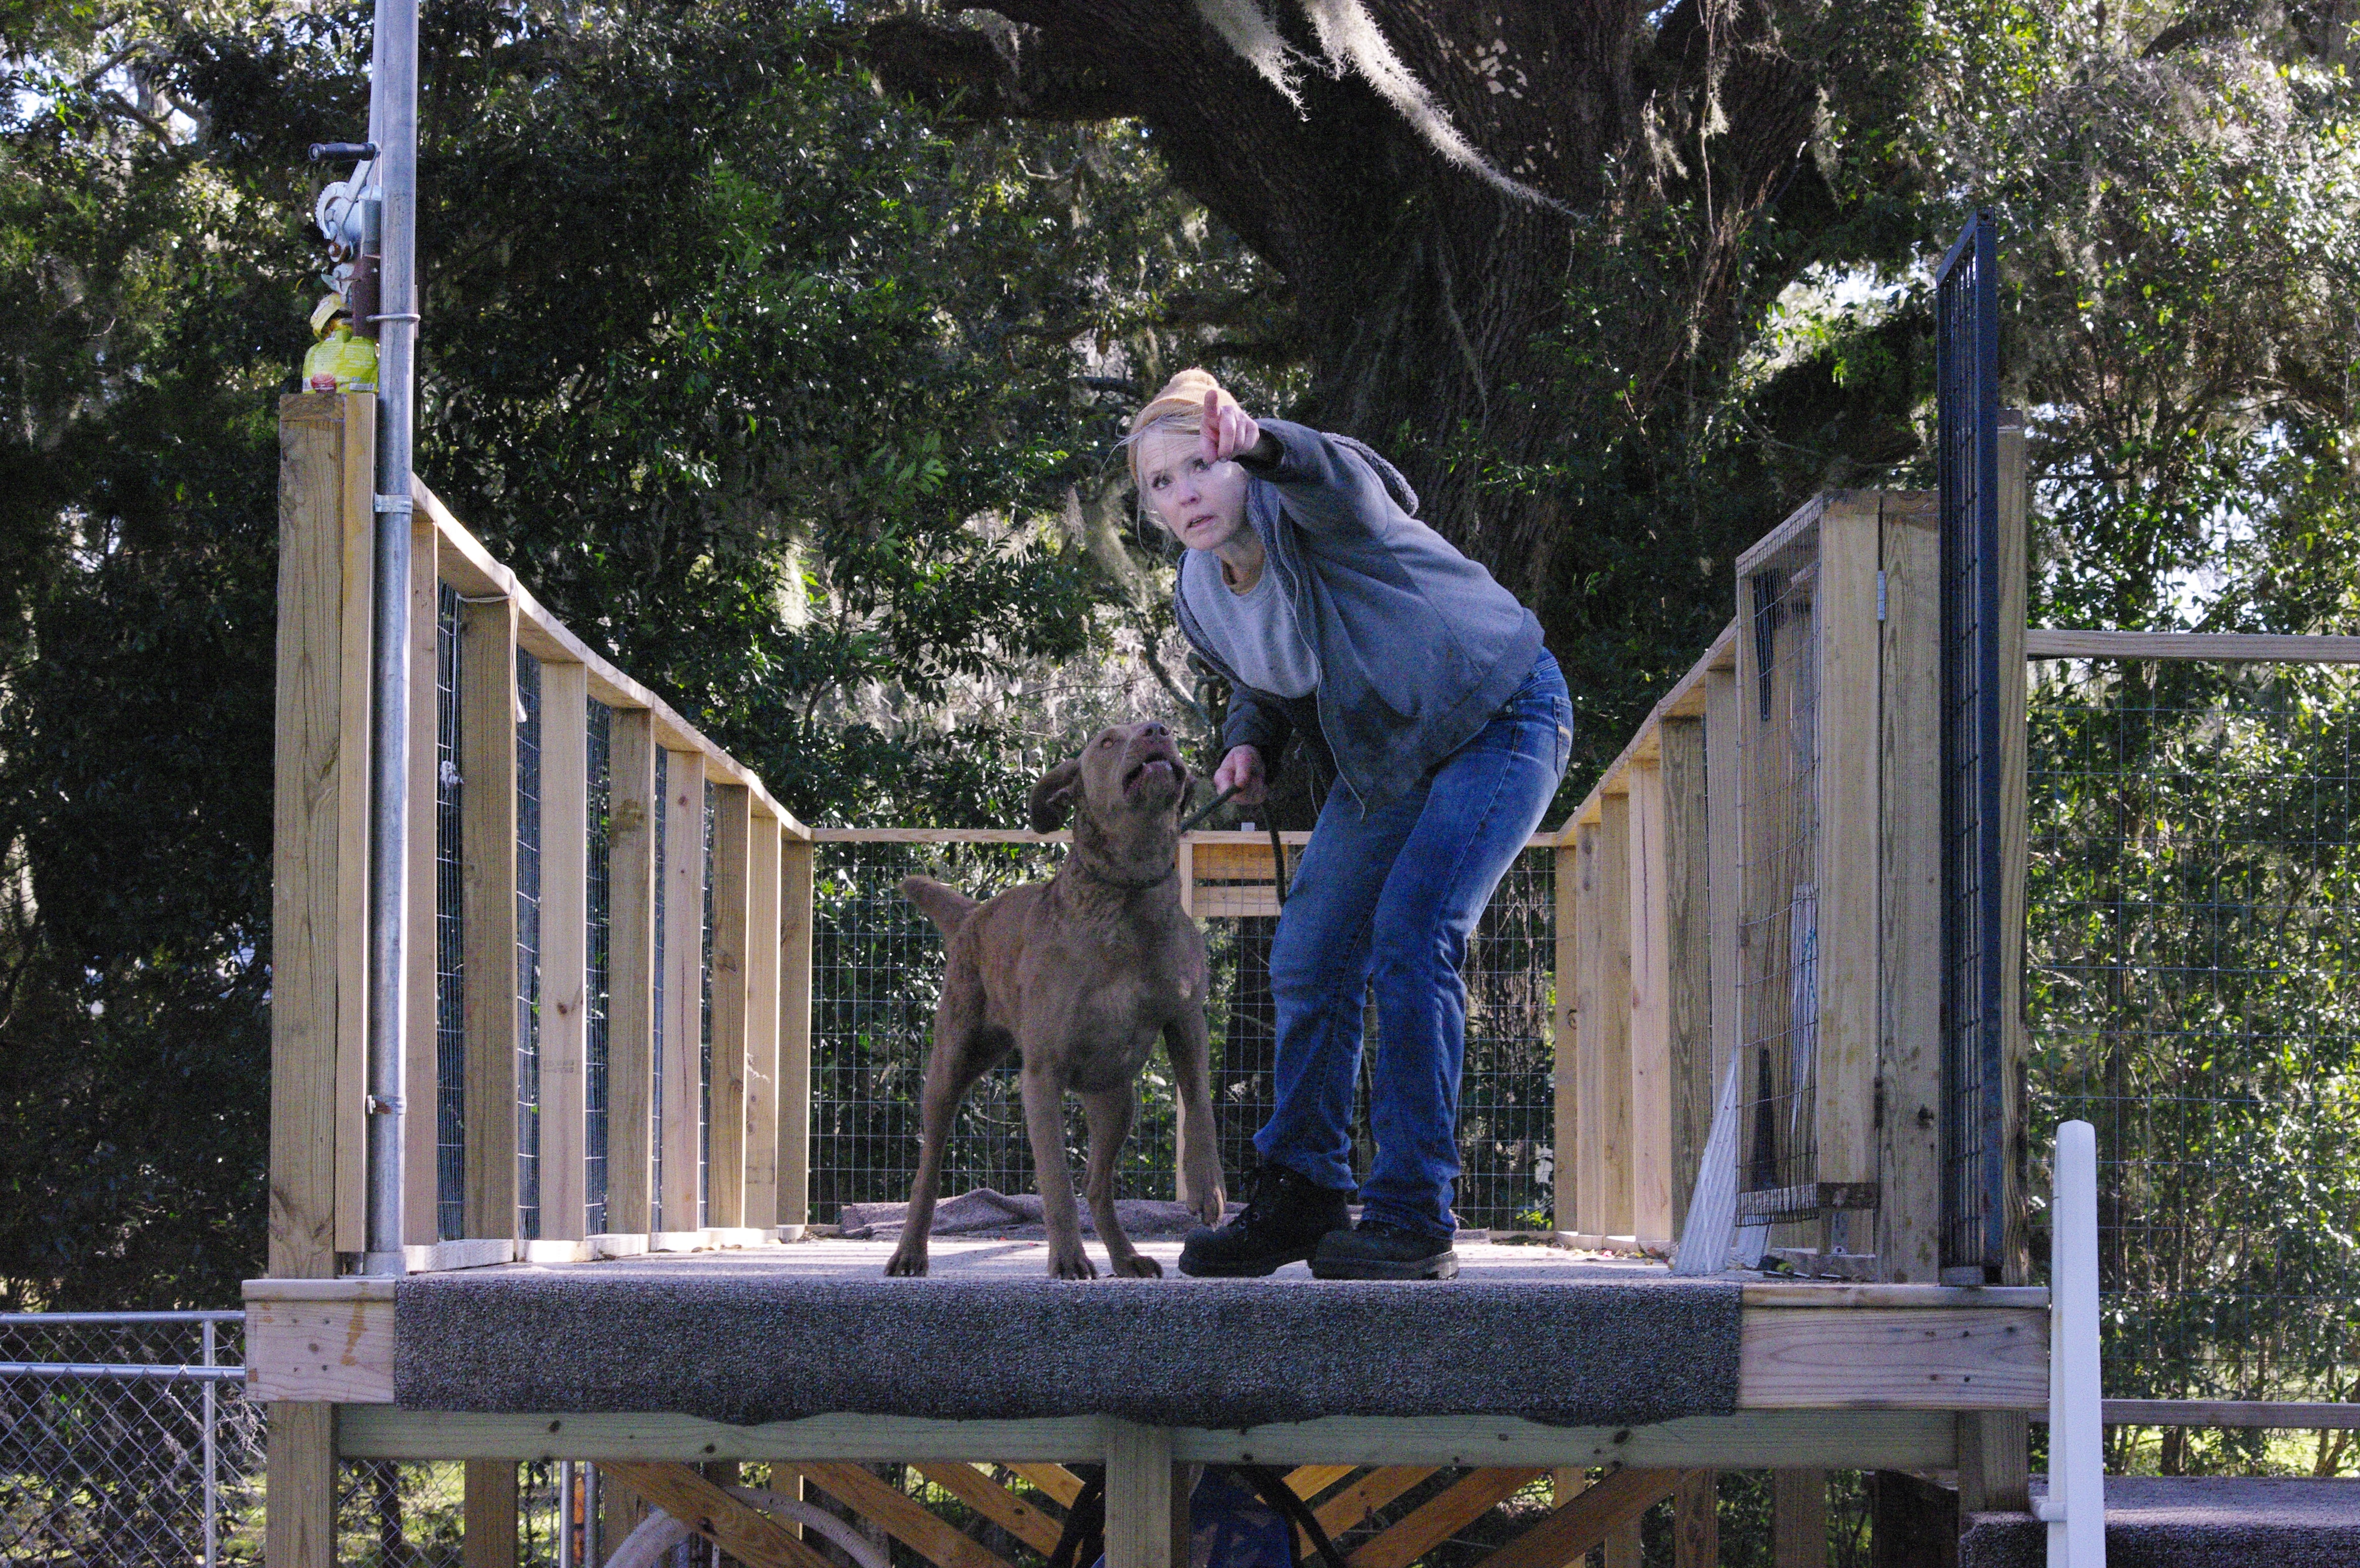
1083 1540
1270 1483
1277 847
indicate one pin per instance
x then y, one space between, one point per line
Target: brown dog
1079 974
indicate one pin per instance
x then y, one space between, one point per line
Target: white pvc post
2075 1508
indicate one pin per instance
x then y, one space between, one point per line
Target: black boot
1283 1224
1375 1250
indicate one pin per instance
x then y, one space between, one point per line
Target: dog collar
1169 873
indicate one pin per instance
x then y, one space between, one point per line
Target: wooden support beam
422 1062
907 1519
1307 1481
1994 1462
1602 1000
683 985
1799 1518
1352 1507
299 1527
737 1527
319 831
487 813
488 1514
1687 950
632 815
1696 1523
762 946
795 936
1593 1516
1055 1482
564 949
1146 1508
993 1501
1565 1042
1725 853
1652 1139
1441 1516
1908 1242
732 845
1848 778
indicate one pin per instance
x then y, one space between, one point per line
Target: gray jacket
1417 646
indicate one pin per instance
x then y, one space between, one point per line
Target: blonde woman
1421 685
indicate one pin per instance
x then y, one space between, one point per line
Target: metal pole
393 123
565 1513
213 1495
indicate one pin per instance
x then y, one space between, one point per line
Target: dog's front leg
1110 1111
1044 1120
1186 1042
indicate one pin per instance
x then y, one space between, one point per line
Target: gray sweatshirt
1417 646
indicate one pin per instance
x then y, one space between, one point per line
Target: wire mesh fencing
2194 839
877 977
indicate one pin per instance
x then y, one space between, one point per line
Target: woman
1331 610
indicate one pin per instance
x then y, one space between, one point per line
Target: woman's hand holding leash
1240 775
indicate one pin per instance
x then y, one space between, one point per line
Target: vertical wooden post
327 459
421 1066
1994 1462
683 1025
1688 945
633 816
733 837
1845 1115
1799 1518
564 950
1604 921
1624 1547
1146 1512
2016 1267
1696 1523
1725 856
487 775
1909 1067
488 1514
1650 1047
1565 1036
762 1024
795 933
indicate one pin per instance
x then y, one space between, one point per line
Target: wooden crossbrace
1307 1481
739 1529
1587 1519
1356 1504
993 1501
1440 1517
902 1515
1055 1482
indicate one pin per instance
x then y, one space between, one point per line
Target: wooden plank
1696 1521
1796 523
488 1514
795 931
1565 1042
1994 1462
1441 1516
1356 1505
733 848
1307 1481
1833 1294
993 1501
683 986
311 769
356 634
738 1528
2244 1414
421 1066
1652 1137
2213 647
488 837
762 1024
905 1518
1908 1242
2015 1265
1749 1439
1895 1359
300 1486
632 815
1799 1518
322 1351
564 950
1055 1481
1687 953
1146 1508
1689 697
1587 1519
1724 854
1605 1053
1848 768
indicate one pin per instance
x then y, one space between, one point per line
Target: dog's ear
1053 797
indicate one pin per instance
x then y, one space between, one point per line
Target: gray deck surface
2185 1521
777 1332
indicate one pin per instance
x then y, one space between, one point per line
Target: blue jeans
1392 896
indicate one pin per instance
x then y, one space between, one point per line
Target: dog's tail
945 906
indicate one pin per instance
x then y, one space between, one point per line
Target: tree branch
1022 72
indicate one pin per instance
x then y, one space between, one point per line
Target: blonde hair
1177 410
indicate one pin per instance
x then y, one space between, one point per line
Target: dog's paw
1139 1266
1208 1201
1076 1267
905 1265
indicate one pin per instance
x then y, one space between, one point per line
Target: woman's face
1201 505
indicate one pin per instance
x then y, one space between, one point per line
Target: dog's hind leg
1110 1111
1045 1121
